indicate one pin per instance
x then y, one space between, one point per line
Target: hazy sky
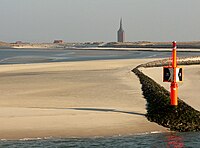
98 20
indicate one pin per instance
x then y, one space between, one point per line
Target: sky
98 20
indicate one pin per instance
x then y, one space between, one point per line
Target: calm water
167 140
13 56
16 56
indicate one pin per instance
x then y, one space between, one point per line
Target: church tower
120 33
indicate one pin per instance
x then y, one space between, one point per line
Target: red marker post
173 74
174 85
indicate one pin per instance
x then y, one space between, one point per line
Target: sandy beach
72 99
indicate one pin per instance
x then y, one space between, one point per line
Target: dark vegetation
182 118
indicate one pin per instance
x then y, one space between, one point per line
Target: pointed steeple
120 33
121 24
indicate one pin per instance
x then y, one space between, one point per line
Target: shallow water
159 140
23 56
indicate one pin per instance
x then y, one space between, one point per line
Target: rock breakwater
182 118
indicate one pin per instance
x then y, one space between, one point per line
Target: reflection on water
174 141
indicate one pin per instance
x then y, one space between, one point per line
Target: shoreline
139 49
114 49
87 137
72 99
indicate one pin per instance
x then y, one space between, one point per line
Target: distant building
120 33
18 42
58 41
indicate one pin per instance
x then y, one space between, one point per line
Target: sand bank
141 49
103 48
73 99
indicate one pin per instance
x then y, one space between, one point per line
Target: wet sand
72 99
